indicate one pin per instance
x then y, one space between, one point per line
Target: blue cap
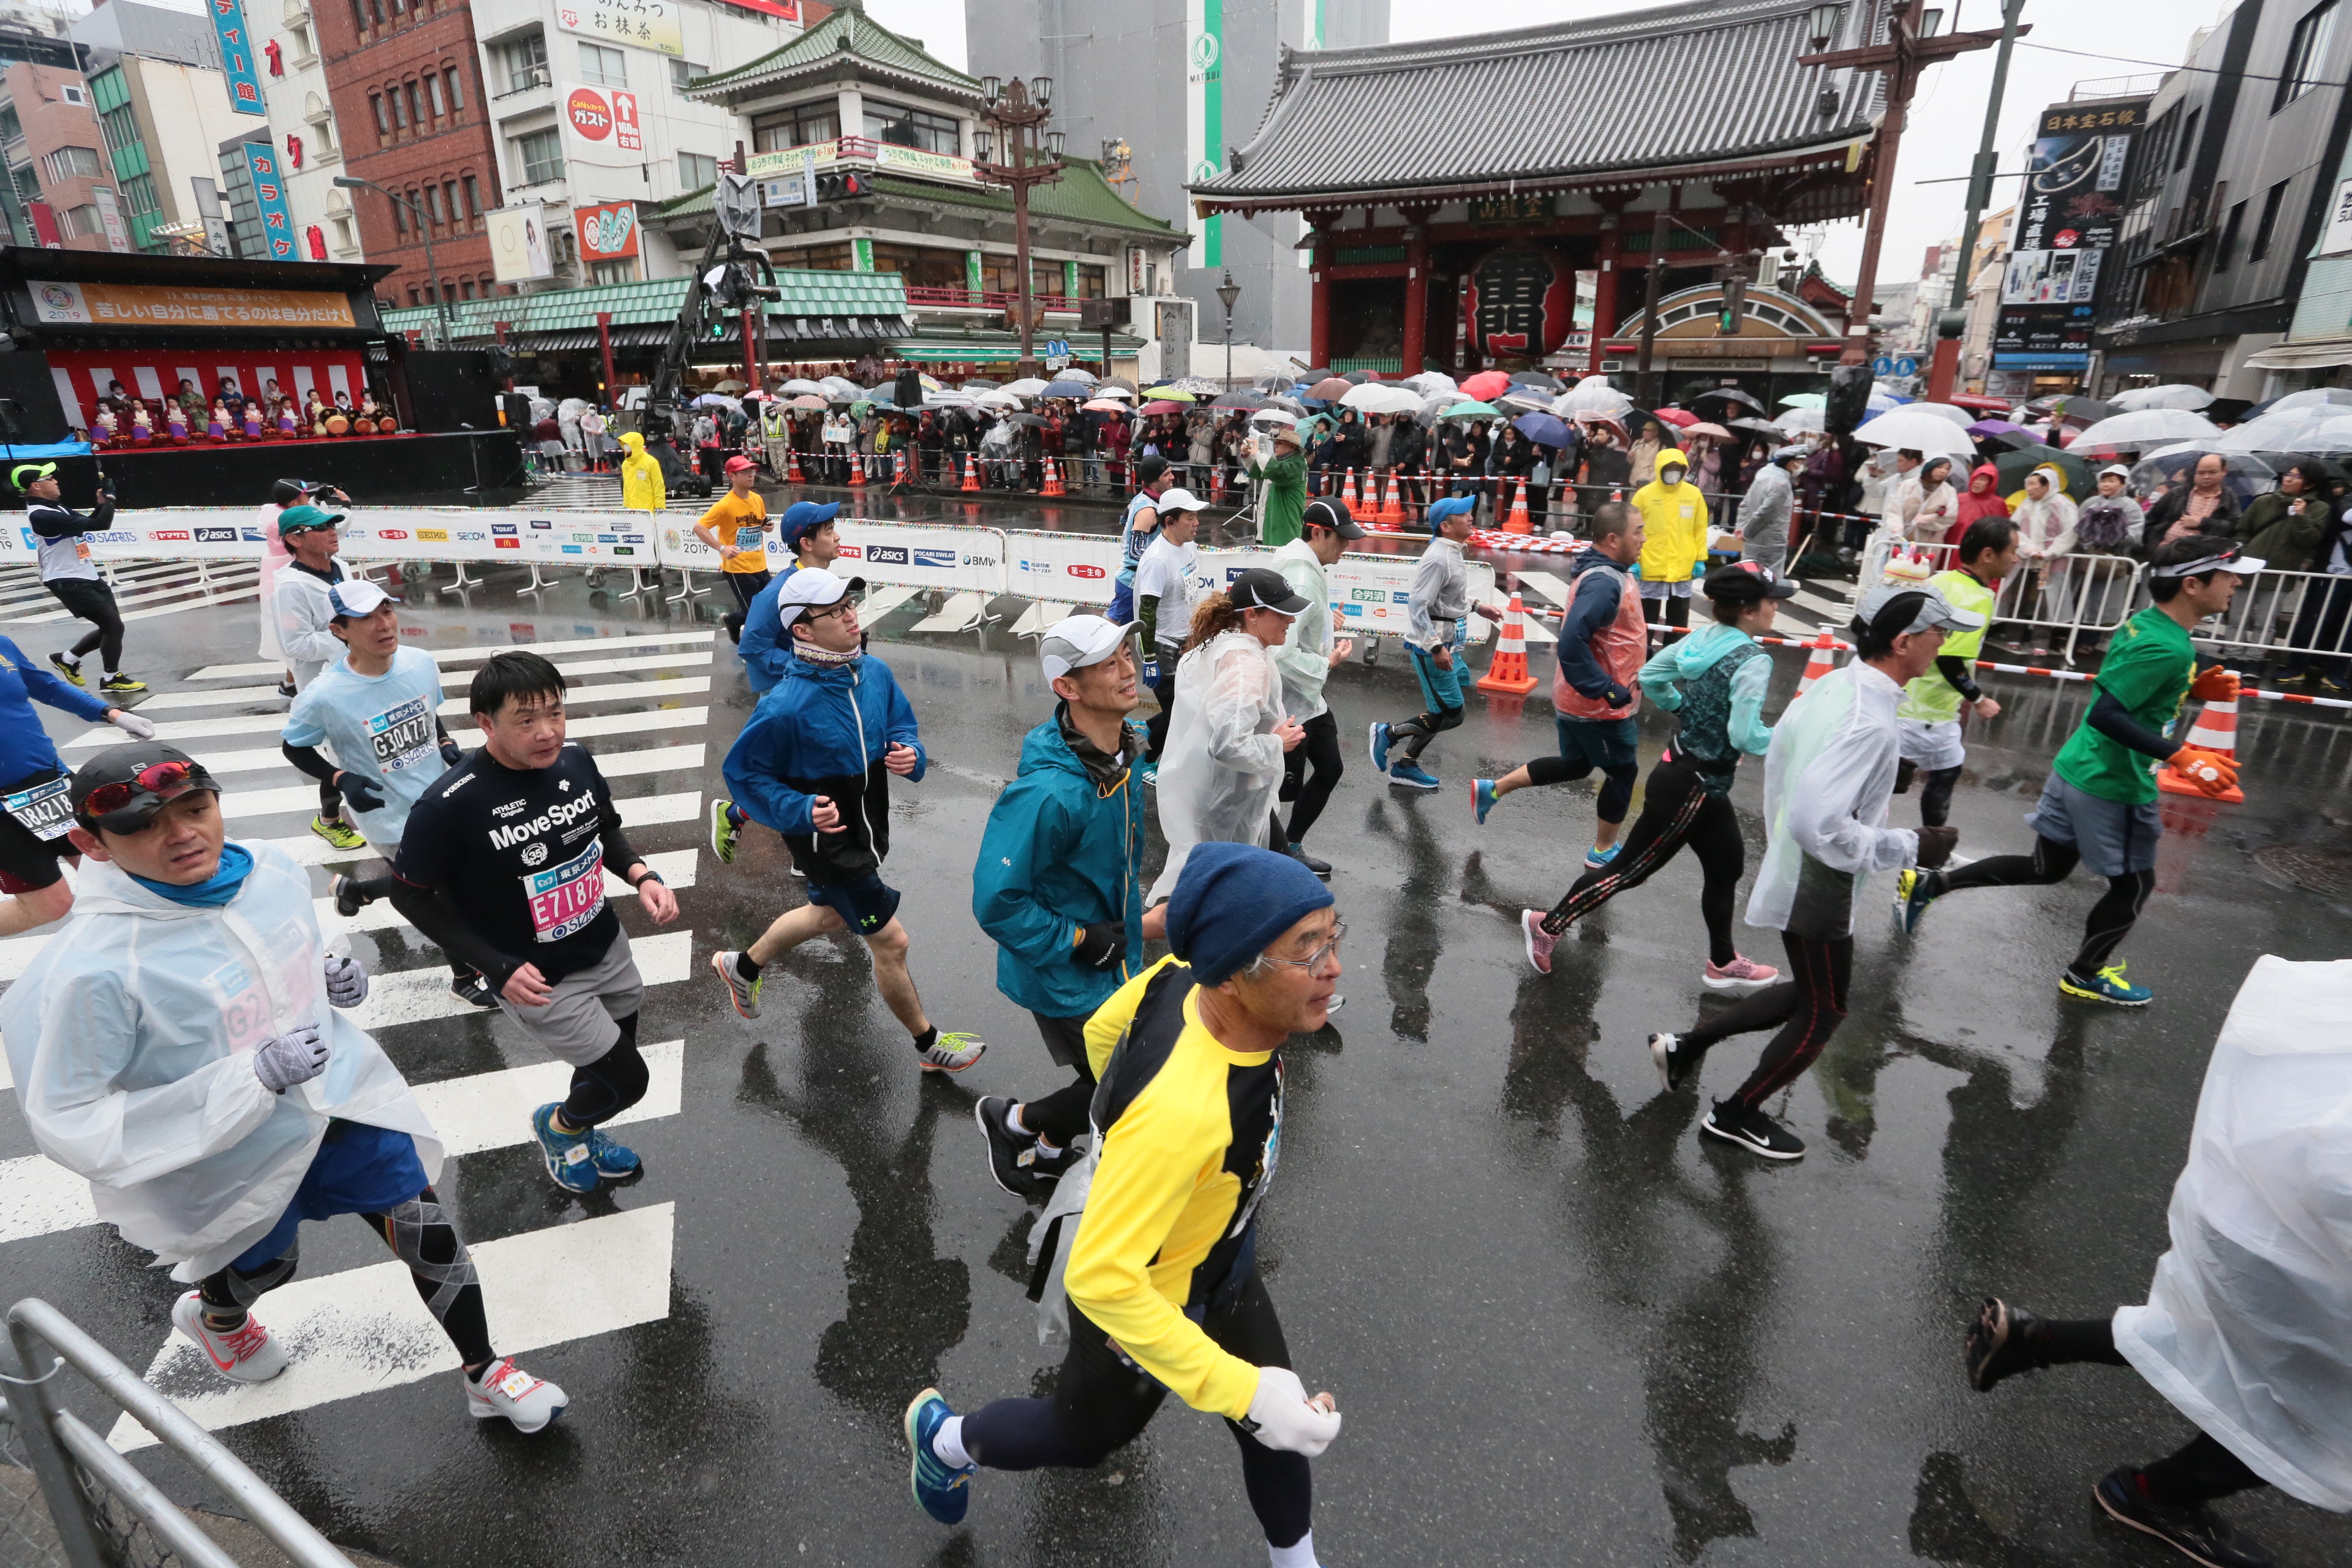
1450 506
801 517
1232 900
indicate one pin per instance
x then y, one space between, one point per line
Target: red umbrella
1679 419
1162 406
1487 385
1979 403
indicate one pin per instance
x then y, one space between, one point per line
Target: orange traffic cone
2216 730
1349 496
1391 510
1053 478
795 455
1519 521
856 467
1819 662
1506 672
898 475
971 472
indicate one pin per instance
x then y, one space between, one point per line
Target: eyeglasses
156 778
1313 961
847 603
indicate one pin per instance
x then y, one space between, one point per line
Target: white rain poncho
1222 764
1828 778
132 1038
2248 1325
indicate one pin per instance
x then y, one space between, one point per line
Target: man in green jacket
1284 477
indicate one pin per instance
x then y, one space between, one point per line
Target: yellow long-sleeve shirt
1192 1133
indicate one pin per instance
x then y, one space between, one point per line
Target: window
399 217
139 196
432 205
921 266
416 106
457 93
2268 221
466 288
449 202
600 66
836 258
343 239
800 126
2225 251
11 127
432 93
903 127
473 198
74 95
2181 154
72 163
541 154
122 128
681 72
300 33
1091 282
525 61
399 113
695 171
624 270
359 17
2306 55
383 121
77 223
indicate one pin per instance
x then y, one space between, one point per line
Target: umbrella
1358 377
1429 381
1990 428
2246 475
1797 421
1067 389
2081 478
1713 432
1533 399
1957 416
996 397
1755 426
799 384
1309 377
1104 405
1593 394
1882 400
732 384
1487 384
1980 403
1550 383
1677 417
1330 389
2175 394
1168 394
1106 383
1027 386
1272 417
1543 429
1273 381
1929 434
841 383
1075 373
2316 429
713 400
1163 405
2310 397
1805 400
1730 394
1200 385
947 399
1471 408
1104 389
1382 397
1023 417
2136 430
1250 400
810 403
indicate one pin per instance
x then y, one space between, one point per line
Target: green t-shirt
1931 698
2148 669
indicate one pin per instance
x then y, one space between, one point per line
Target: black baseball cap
122 789
1264 588
1747 583
1323 512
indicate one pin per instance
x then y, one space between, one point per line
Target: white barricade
1061 568
914 554
1369 592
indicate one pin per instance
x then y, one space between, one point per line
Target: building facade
308 136
163 101
57 159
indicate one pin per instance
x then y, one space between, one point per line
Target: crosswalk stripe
221 696
305 796
596 691
419 995
242 582
577 729
364 1330
484 650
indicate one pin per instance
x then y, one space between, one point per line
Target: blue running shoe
1912 897
943 1489
2108 985
1413 775
614 1161
1596 858
1482 798
570 1157
1379 747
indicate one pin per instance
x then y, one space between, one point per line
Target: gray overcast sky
1947 118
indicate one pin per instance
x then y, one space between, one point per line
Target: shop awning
2301 356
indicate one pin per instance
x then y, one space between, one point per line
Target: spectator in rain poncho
1764 513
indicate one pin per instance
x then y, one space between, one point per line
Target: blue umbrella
1067 389
1543 429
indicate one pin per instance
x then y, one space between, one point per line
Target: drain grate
2327 872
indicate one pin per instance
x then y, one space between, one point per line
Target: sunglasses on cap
127 806
2231 558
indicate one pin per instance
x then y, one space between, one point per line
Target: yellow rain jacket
641 477
1675 519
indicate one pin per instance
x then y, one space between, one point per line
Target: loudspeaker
1849 398
26 382
453 390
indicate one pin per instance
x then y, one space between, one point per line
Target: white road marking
420 995
305 796
484 650
38 1198
221 696
366 1329
241 723
229 584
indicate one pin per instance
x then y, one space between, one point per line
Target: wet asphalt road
1560 1329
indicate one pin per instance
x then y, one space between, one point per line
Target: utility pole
1016 109
1980 175
1645 379
1227 293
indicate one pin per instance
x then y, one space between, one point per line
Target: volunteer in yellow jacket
641 477
1674 520
1929 719
1163 1274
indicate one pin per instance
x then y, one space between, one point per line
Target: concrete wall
183 115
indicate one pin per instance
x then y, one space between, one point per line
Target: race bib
42 809
564 898
403 737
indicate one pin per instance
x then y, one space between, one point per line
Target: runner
1058 886
1137 530
1827 777
1168 588
274 560
69 574
1308 655
807 530
305 612
2098 807
506 855
379 708
1436 626
1674 523
35 813
152 1048
736 526
1161 1280
814 766
1714 681
1603 637
1929 718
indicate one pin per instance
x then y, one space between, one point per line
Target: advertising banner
553 539
236 59
608 232
172 305
912 555
602 119
270 194
1080 569
640 24
518 248
1370 592
2075 178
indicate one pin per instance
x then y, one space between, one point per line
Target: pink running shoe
246 1353
1740 974
1540 941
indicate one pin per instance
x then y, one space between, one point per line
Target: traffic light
1733 305
840 186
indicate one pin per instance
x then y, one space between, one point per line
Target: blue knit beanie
1232 900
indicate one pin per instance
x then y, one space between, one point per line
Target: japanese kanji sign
2075 189
640 24
236 58
146 305
1522 302
269 195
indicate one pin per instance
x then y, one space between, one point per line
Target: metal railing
105 1513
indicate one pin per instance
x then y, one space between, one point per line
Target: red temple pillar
1604 295
1318 274
604 342
1416 298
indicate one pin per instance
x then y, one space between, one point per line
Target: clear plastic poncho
132 1038
1222 764
2248 1325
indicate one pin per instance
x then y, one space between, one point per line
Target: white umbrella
2312 397
799 385
1382 397
1272 417
1430 382
2246 475
2314 430
2141 428
996 398
947 399
2176 394
1126 393
1027 386
1957 416
1931 435
1592 396
1072 373
1797 421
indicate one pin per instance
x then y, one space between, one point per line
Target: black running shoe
2197 1533
68 669
474 991
1321 867
1752 1131
285 688
1006 1147
1676 1060
1995 1347
345 891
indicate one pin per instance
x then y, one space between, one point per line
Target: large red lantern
1522 302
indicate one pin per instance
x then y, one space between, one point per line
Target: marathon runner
1058 887
305 610
502 864
1714 681
1603 637
275 558
35 815
807 530
1137 530
736 526
69 572
1167 587
1829 775
1308 655
153 1047
1161 1280
1929 718
2098 807
814 766
1436 627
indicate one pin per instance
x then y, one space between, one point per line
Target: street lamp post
1017 108
1227 292
425 231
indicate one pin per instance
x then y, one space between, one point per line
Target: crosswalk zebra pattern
643 698
142 589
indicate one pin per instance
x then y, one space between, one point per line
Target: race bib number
42 809
403 737
564 898
81 550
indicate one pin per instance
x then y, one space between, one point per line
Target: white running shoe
246 1354
950 1053
530 1403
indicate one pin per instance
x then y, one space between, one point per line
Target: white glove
132 725
1281 1418
347 981
298 1057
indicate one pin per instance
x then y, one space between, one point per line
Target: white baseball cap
356 596
1075 642
812 588
1177 499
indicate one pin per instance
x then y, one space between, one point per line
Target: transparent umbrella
2246 475
1382 397
2139 429
1592 396
1027 386
2318 430
1915 430
2176 396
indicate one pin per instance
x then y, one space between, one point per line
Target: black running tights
1408 736
90 600
1807 1008
420 1236
1936 795
610 1084
1309 792
2111 918
2196 1474
1676 811
1061 1117
1616 795
1103 1401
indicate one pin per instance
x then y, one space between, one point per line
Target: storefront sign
236 58
2077 177
175 305
2338 239
109 218
518 248
788 10
607 233
269 195
640 24
603 119
787 161
1521 301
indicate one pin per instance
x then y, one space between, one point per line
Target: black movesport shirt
520 856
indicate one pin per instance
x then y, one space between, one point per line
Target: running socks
928 1039
745 967
947 1444
1299 1553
